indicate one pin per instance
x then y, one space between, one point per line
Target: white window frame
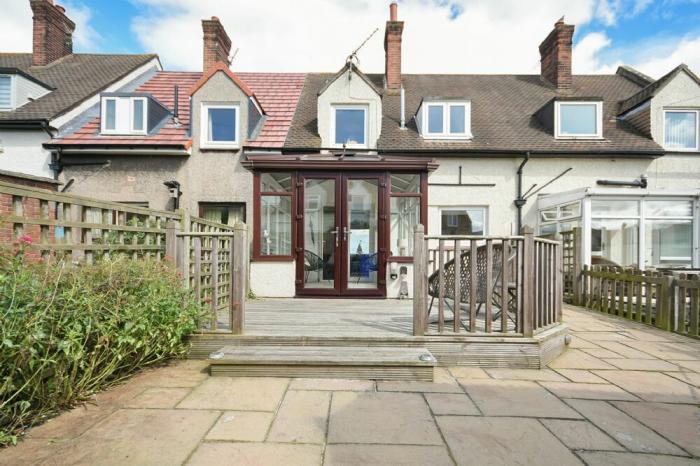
335 108
13 97
483 208
204 141
446 130
599 120
122 129
697 129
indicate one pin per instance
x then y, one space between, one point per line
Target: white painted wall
273 279
23 152
393 286
681 92
353 91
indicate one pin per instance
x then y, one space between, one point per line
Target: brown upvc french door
340 243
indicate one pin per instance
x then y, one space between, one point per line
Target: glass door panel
321 238
361 233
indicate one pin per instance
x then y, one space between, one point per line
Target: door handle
346 233
336 232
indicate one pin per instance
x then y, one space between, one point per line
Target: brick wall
53 32
555 56
217 44
392 50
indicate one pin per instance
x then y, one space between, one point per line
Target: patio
623 393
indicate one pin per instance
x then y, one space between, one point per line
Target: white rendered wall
23 152
272 279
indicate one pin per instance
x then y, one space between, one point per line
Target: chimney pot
392 50
52 32
555 55
217 44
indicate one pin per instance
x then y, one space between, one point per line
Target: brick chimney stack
217 44
392 49
555 55
53 32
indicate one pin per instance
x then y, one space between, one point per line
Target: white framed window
578 120
124 115
7 95
446 120
463 221
681 130
220 126
349 125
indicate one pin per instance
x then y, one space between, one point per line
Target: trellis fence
211 257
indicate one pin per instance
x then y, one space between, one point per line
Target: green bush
67 332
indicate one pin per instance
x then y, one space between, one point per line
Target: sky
440 36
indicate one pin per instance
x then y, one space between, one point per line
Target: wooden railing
663 299
211 257
500 284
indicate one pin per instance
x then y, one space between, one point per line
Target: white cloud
312 35
586 54
16 26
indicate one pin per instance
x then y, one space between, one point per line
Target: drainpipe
403 108
520 200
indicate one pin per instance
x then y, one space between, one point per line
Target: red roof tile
277 93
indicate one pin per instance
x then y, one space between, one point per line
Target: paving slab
602 353
581 376
623 428
376 455
256 454
72 423
678 423
139 437
332 385
461 372
301 418
603 336
653 386
589 391
498 441
386 418
577 342
689 365
577 359
667 351
237 394
631 364
624 350
581 435
247 426
516 398
415 386
158 397
604 458
526 374
448 403
692 378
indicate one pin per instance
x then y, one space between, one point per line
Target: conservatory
641 228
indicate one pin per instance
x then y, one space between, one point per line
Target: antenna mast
353 56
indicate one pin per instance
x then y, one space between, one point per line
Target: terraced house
333 171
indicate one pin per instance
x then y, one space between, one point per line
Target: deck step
334 362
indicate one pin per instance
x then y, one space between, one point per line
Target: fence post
420 282
528 280
576 265
559 278
76 215
171 240
666 304
239 277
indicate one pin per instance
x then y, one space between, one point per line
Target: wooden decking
378 323
375 318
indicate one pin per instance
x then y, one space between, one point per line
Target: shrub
67 332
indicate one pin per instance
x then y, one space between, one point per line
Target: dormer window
681 130
124 114
445 120
6 92
350 125
578 120
219 126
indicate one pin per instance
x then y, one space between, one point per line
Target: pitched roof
74 78
227 71
652 89
349 65
502 116
277 93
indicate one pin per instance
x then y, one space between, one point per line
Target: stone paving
623 394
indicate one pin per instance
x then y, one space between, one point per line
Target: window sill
447 137
579 138
210 146
119 133
272 259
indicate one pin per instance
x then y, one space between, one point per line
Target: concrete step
338 362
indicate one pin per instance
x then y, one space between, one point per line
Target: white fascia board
95 98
